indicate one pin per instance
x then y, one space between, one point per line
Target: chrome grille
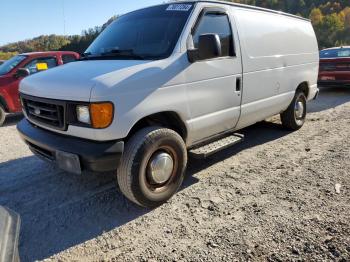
47 112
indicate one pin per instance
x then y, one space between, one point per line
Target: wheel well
304 87
169 120
4 104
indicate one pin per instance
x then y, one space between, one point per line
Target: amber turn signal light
101 114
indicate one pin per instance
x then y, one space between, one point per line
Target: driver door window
50 61
216 23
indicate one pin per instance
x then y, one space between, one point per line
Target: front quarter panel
153 87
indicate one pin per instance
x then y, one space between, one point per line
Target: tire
294 117
138 177
2 115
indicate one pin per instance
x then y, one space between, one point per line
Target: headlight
83 114
96 115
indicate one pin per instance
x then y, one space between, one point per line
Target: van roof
244 6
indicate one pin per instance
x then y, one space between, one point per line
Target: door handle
238 84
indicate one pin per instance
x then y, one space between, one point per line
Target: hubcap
299 110
160 168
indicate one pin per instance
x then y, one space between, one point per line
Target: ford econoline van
167 81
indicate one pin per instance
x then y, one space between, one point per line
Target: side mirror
22 72
209 47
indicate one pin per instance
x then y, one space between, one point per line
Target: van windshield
10 64
150 33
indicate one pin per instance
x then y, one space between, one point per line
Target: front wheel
294 117
153 166
2 115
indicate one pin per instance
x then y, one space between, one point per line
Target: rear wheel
2 115
294 117
152 167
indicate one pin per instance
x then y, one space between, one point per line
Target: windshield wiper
117 53
122 53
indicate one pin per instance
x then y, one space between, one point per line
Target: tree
346 13
7 55
316 16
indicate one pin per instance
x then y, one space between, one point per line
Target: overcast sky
24 19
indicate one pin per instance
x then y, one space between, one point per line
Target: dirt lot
273 197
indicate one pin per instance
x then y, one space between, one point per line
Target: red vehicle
334 67
15 69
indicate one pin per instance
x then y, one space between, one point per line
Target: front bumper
71 153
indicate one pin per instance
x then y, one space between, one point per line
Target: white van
167 80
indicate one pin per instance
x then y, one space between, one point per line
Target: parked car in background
334 67
1 62
15 69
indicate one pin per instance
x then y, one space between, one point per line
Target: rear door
214 86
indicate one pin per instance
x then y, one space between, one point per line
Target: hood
75 81
141 78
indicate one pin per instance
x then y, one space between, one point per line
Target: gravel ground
274 197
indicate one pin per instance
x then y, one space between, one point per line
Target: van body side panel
273 41
279 53
257 106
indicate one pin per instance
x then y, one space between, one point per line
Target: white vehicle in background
167 80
